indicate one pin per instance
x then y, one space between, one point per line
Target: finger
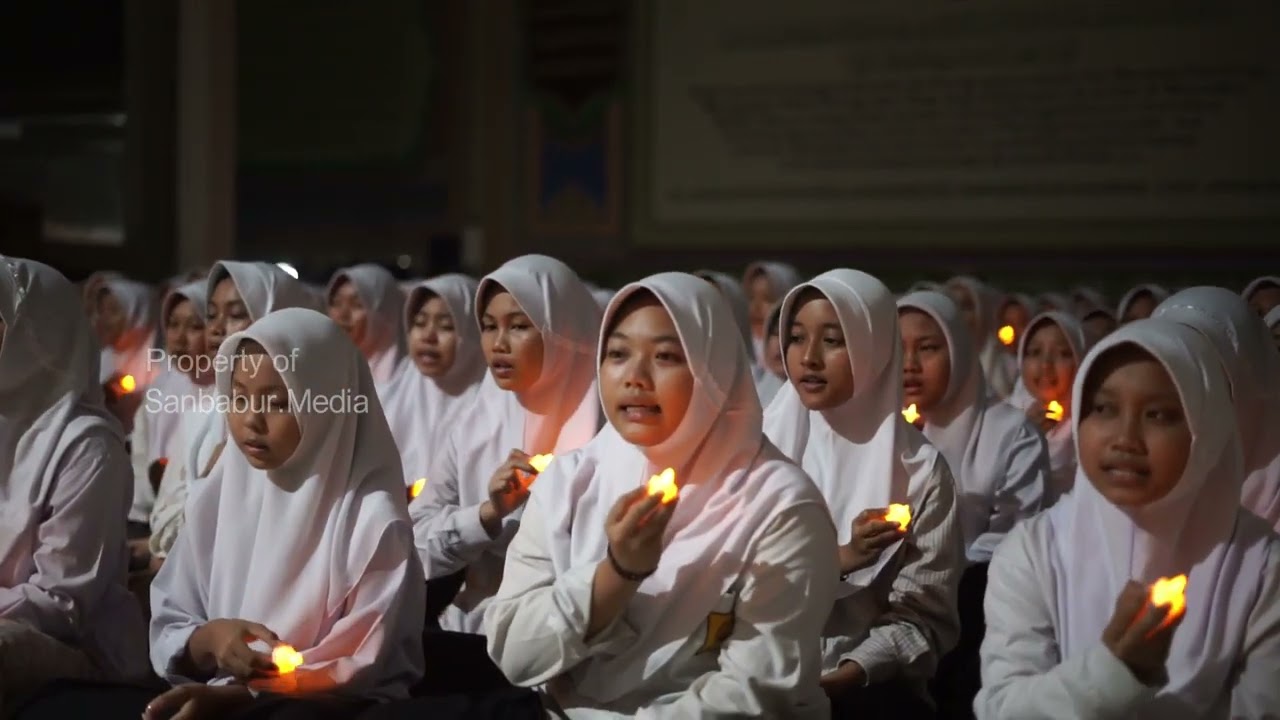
168 703
261 632
619 509
655 522
639 509
517 455
1129 603
880 527
190 710
1148 622
881 542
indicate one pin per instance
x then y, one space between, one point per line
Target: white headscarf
1093 299
383 303
1098 547
1062 449
138 302
264 288
422 410
738 305
172 385
782 277
985 307
50 398
602 296
1273 318
732 481
974 432
1155 291
862 454
1259 283
1246 349
287 547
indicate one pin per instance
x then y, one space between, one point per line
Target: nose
1128 436
636 375
910 360
812 357
501 343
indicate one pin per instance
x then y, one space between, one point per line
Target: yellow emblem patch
719 628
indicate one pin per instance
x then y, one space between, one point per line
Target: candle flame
540 462
128 383
416 488
1170 593
1006 334
1054 411
910 414
900 514
286 659
664 483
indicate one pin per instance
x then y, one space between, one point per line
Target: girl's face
645 380
184 331
433 338
1049 364
1014 315
227 315
261 420
1097 326
926 360
1264 299
1133 436
110 319
968 305
348 311
1139 308
512 343
761 298
817 357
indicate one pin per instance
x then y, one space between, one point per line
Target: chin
259 464
640 436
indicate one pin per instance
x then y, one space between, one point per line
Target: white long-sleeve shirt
768 666
1025 677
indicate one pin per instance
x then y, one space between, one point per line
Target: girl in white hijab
999 460
126 318
538 327
741 308
238 293
765 284
619 605
440 377
64 494
1056 302
1048 355
367 302
1140 302
1071 630
773 373
1253 372
977 303
840 418
299 537
1263 294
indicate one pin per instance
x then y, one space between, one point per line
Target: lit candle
1054 411
286 659
1006 334
416 488
540 462
910 414
1170 593
664 483
900 514
128 384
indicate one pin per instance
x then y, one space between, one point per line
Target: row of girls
679 500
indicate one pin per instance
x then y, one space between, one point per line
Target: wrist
490 518
629 574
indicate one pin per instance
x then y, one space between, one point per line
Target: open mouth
641 413
1127 473
427 357
812 383
912 387
502 369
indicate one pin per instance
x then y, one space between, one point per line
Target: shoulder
1025 548
775 473
93 446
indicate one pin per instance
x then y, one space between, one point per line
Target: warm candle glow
1170 593
286 659
900 514
540 462
910 414
128 383
664 483
1054 411
416 488
1006 334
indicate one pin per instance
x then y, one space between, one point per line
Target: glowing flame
900 514
1054 411
540 462
286 659
1006 334
416 488
1170 593
910 414
128 383
664 483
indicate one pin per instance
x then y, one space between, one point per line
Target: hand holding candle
900 514
1054 411
509 488
1141 629
664 483
1170 593
635 525
286 659
128 384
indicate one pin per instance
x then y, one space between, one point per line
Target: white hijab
1093 300
1155 291
1057 302
423 410
1246 349
50 397
172 385
1259 283
287 547
1062 449
738 305
1273 318
264 288
1098 546
139 304
383 303
732 481
862 454
972 431
985 307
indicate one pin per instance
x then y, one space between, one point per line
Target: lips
428 357
812 383
1126 472
641 413
502 369
912 387
256 448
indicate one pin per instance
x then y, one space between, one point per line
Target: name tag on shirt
720 622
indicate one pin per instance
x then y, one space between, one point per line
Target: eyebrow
512 314
659 339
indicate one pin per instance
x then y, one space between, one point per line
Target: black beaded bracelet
623 572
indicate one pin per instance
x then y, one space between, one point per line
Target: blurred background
1036 143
